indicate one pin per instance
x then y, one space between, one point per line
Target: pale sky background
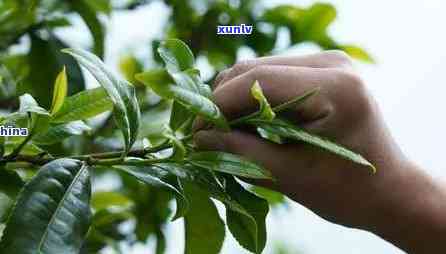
407 38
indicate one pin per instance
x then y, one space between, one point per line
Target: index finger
280 84
326 59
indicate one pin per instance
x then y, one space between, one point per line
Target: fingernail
209 140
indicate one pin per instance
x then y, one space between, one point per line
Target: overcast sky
407 38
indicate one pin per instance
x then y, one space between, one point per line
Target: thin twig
19 148
98 158
133 153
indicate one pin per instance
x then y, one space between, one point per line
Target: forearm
412 212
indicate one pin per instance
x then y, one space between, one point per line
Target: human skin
400 203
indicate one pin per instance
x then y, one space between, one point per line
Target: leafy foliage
228 163
45 177
287 130
52 211
248 227
212 228
122 94
83 105
60 91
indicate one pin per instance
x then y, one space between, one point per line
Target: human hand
343 110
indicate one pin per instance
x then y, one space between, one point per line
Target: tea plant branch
105 158
95 158
119 161
37 160
115 158
32 159
133 153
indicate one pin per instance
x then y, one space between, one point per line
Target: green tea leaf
39 117
177 55
248 229
60 91
190 79
58 133
39 124
159 77
299 100
122 93
154 176
274 198
228 163
28 104
205 230
247 211
358 53
83 105
214 185
10 185
180 62
150 175
193 102
180 116
265 110
269 135
288 130
52 214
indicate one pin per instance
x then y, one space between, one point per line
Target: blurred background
406 41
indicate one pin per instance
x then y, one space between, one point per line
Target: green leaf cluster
57 198
137 129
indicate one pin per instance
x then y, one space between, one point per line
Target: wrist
410 212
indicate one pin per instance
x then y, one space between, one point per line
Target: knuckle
259 71
355 92
339 58
351 79
221 77
240 67
231 73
